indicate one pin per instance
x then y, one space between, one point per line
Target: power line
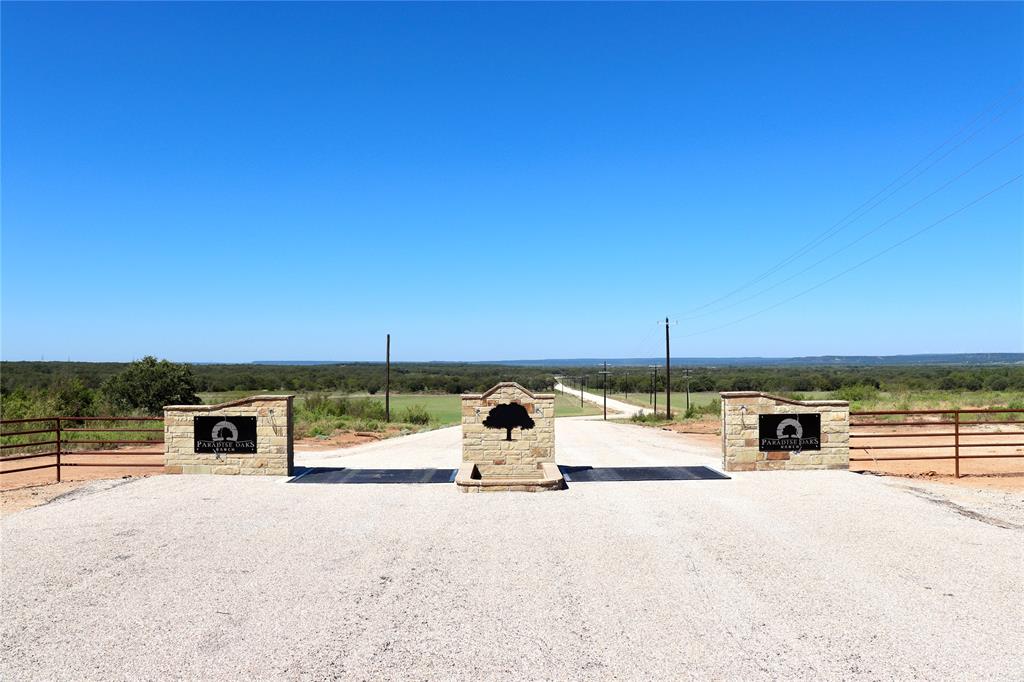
837 227
645 344
866 234
863 262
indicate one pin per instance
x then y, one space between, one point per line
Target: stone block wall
740 410
274 454
524 455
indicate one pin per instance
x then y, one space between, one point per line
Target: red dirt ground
344 439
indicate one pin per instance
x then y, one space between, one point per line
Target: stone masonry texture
739 433
274 454
524 455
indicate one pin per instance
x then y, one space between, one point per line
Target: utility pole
687 375
654 387
604 385
668 376
626 384
387 382
581 389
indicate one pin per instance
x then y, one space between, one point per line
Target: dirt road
624 409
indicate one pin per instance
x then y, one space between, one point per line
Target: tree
149 384
71 397
508 417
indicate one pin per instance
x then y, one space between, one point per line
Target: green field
567 406
444 409
447 409
696 399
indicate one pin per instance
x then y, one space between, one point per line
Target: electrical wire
858 213
865 235
867 260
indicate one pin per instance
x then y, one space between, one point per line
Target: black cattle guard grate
607 474
318 475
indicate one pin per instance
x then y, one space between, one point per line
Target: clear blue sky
231 182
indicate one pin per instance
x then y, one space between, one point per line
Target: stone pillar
741 449
274 454
508 440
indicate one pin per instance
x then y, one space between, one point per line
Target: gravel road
824 575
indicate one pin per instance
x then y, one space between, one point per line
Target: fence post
956 441
58 449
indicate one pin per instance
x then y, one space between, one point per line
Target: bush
695 411
367 425
858 393
416 414
318 405
149 384
714 406
647 418
315 404
367 408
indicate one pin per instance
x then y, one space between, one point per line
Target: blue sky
232 182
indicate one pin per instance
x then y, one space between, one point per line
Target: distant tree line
344 378
143 387
139 388
798 379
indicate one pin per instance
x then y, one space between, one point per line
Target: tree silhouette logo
224 430
508 417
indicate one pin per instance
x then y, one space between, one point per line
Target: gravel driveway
768 575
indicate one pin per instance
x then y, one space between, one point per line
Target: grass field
444 409
678 399
447 409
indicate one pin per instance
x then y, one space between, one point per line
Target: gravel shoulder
825 575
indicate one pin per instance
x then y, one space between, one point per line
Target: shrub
858 393
315 403
416 414
367 425
366 408
714 406
647 418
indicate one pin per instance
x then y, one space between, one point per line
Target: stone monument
508 441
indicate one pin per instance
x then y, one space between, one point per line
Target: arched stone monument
508 441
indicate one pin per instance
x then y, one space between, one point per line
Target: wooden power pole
654 387
604 385
387 382
687 375
668 376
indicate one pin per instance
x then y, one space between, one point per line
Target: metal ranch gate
62 441
961 433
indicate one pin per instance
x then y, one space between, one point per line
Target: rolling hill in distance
819 360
